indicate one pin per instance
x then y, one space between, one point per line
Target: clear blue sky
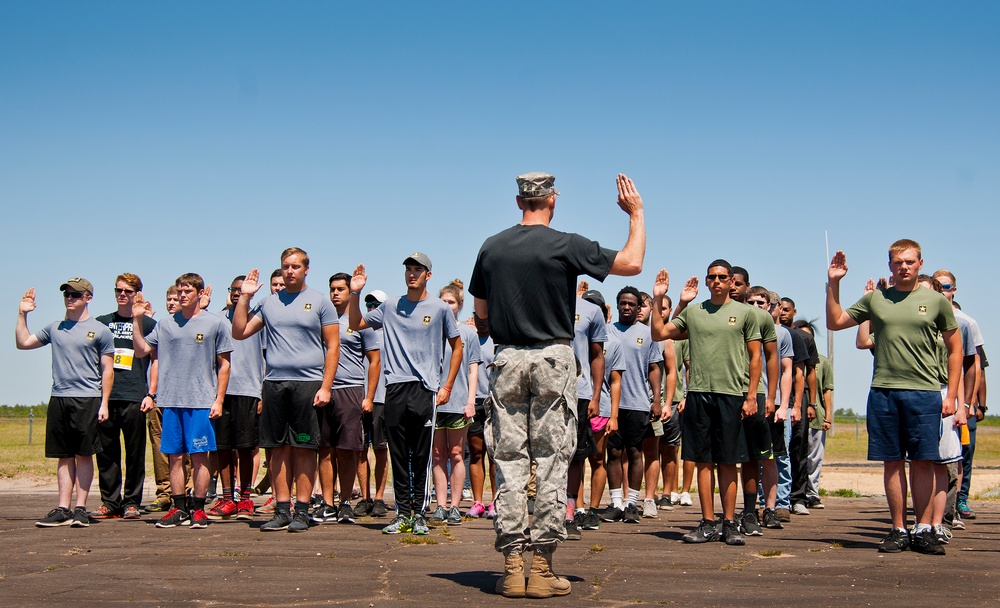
175 137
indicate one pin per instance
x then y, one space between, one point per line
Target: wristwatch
151 396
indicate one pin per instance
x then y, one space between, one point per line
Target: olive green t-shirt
767 334
824 382
681 352
717 338
907 325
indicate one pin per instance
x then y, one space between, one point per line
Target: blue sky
168 138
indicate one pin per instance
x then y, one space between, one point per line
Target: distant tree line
22 411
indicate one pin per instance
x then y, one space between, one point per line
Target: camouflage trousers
531 416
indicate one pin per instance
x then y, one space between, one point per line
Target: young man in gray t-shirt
82 377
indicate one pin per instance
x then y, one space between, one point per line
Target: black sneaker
590 521
379 509
896 541
926 542
300 521
731 534
631 514
173 518
57 517
612 514
531 505
705 532
346 513
364 507
771 520
572 530
80 518
324 514
749 524
280 521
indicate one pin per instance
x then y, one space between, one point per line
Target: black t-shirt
130 383
810 342
528 274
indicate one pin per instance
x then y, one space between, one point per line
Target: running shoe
59 516
300 521
815 503
731 534
491 512
649 508
897 540
173 518
223 509
280 521
799 509
957 523
103 512
749 523
612 514
466 493
572 530
268 506
943 533
705 532
630 514
398 525
926 542
199 519
454 517
324 514
355 494
664 503
160 504
965 511
80 518
131 512
379 509
477 510
685 499
364 507
438 517
771 520
244 509
317 499
675 498
419 525
346 514
591 521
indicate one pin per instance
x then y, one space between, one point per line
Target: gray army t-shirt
246 364
471 353
785 351
351 366
639 351
413 339
294 324
613 362
588 327
186 350
77 348
489 352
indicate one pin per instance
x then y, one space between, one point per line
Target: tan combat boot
511 584
542 582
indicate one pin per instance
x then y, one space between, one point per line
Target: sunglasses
761 303
120 291
372 304
72 295
720 277
947 286
234 289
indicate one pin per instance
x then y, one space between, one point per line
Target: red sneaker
268 506
104 513
244 509
223 509
199 519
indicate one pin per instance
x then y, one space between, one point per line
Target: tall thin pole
829 334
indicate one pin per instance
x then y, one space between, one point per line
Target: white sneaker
686 499
649 508
466 494
799 509
675 498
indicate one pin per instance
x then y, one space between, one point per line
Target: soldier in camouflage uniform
524 285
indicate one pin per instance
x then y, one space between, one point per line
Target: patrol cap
534 184
376 296
594 297
78 284
418 258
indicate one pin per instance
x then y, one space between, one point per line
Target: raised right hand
690 290
838 267
359 279
28 301
250 285
661 284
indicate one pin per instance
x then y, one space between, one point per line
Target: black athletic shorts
633 427
238 428
585 444
71 427
757 432
672 428
477 428
340 422
288 417
777 429
374 424
712 429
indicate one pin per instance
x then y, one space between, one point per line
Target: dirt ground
827 558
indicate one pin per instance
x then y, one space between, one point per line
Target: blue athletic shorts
903 424
186 431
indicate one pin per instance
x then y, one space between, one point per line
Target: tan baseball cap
78 284
418 258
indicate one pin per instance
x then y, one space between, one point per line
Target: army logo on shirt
921 310
639 341
90 335
199 338
577 318
350 332
732 320
308 306
427 320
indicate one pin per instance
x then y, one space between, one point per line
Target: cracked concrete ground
827 558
